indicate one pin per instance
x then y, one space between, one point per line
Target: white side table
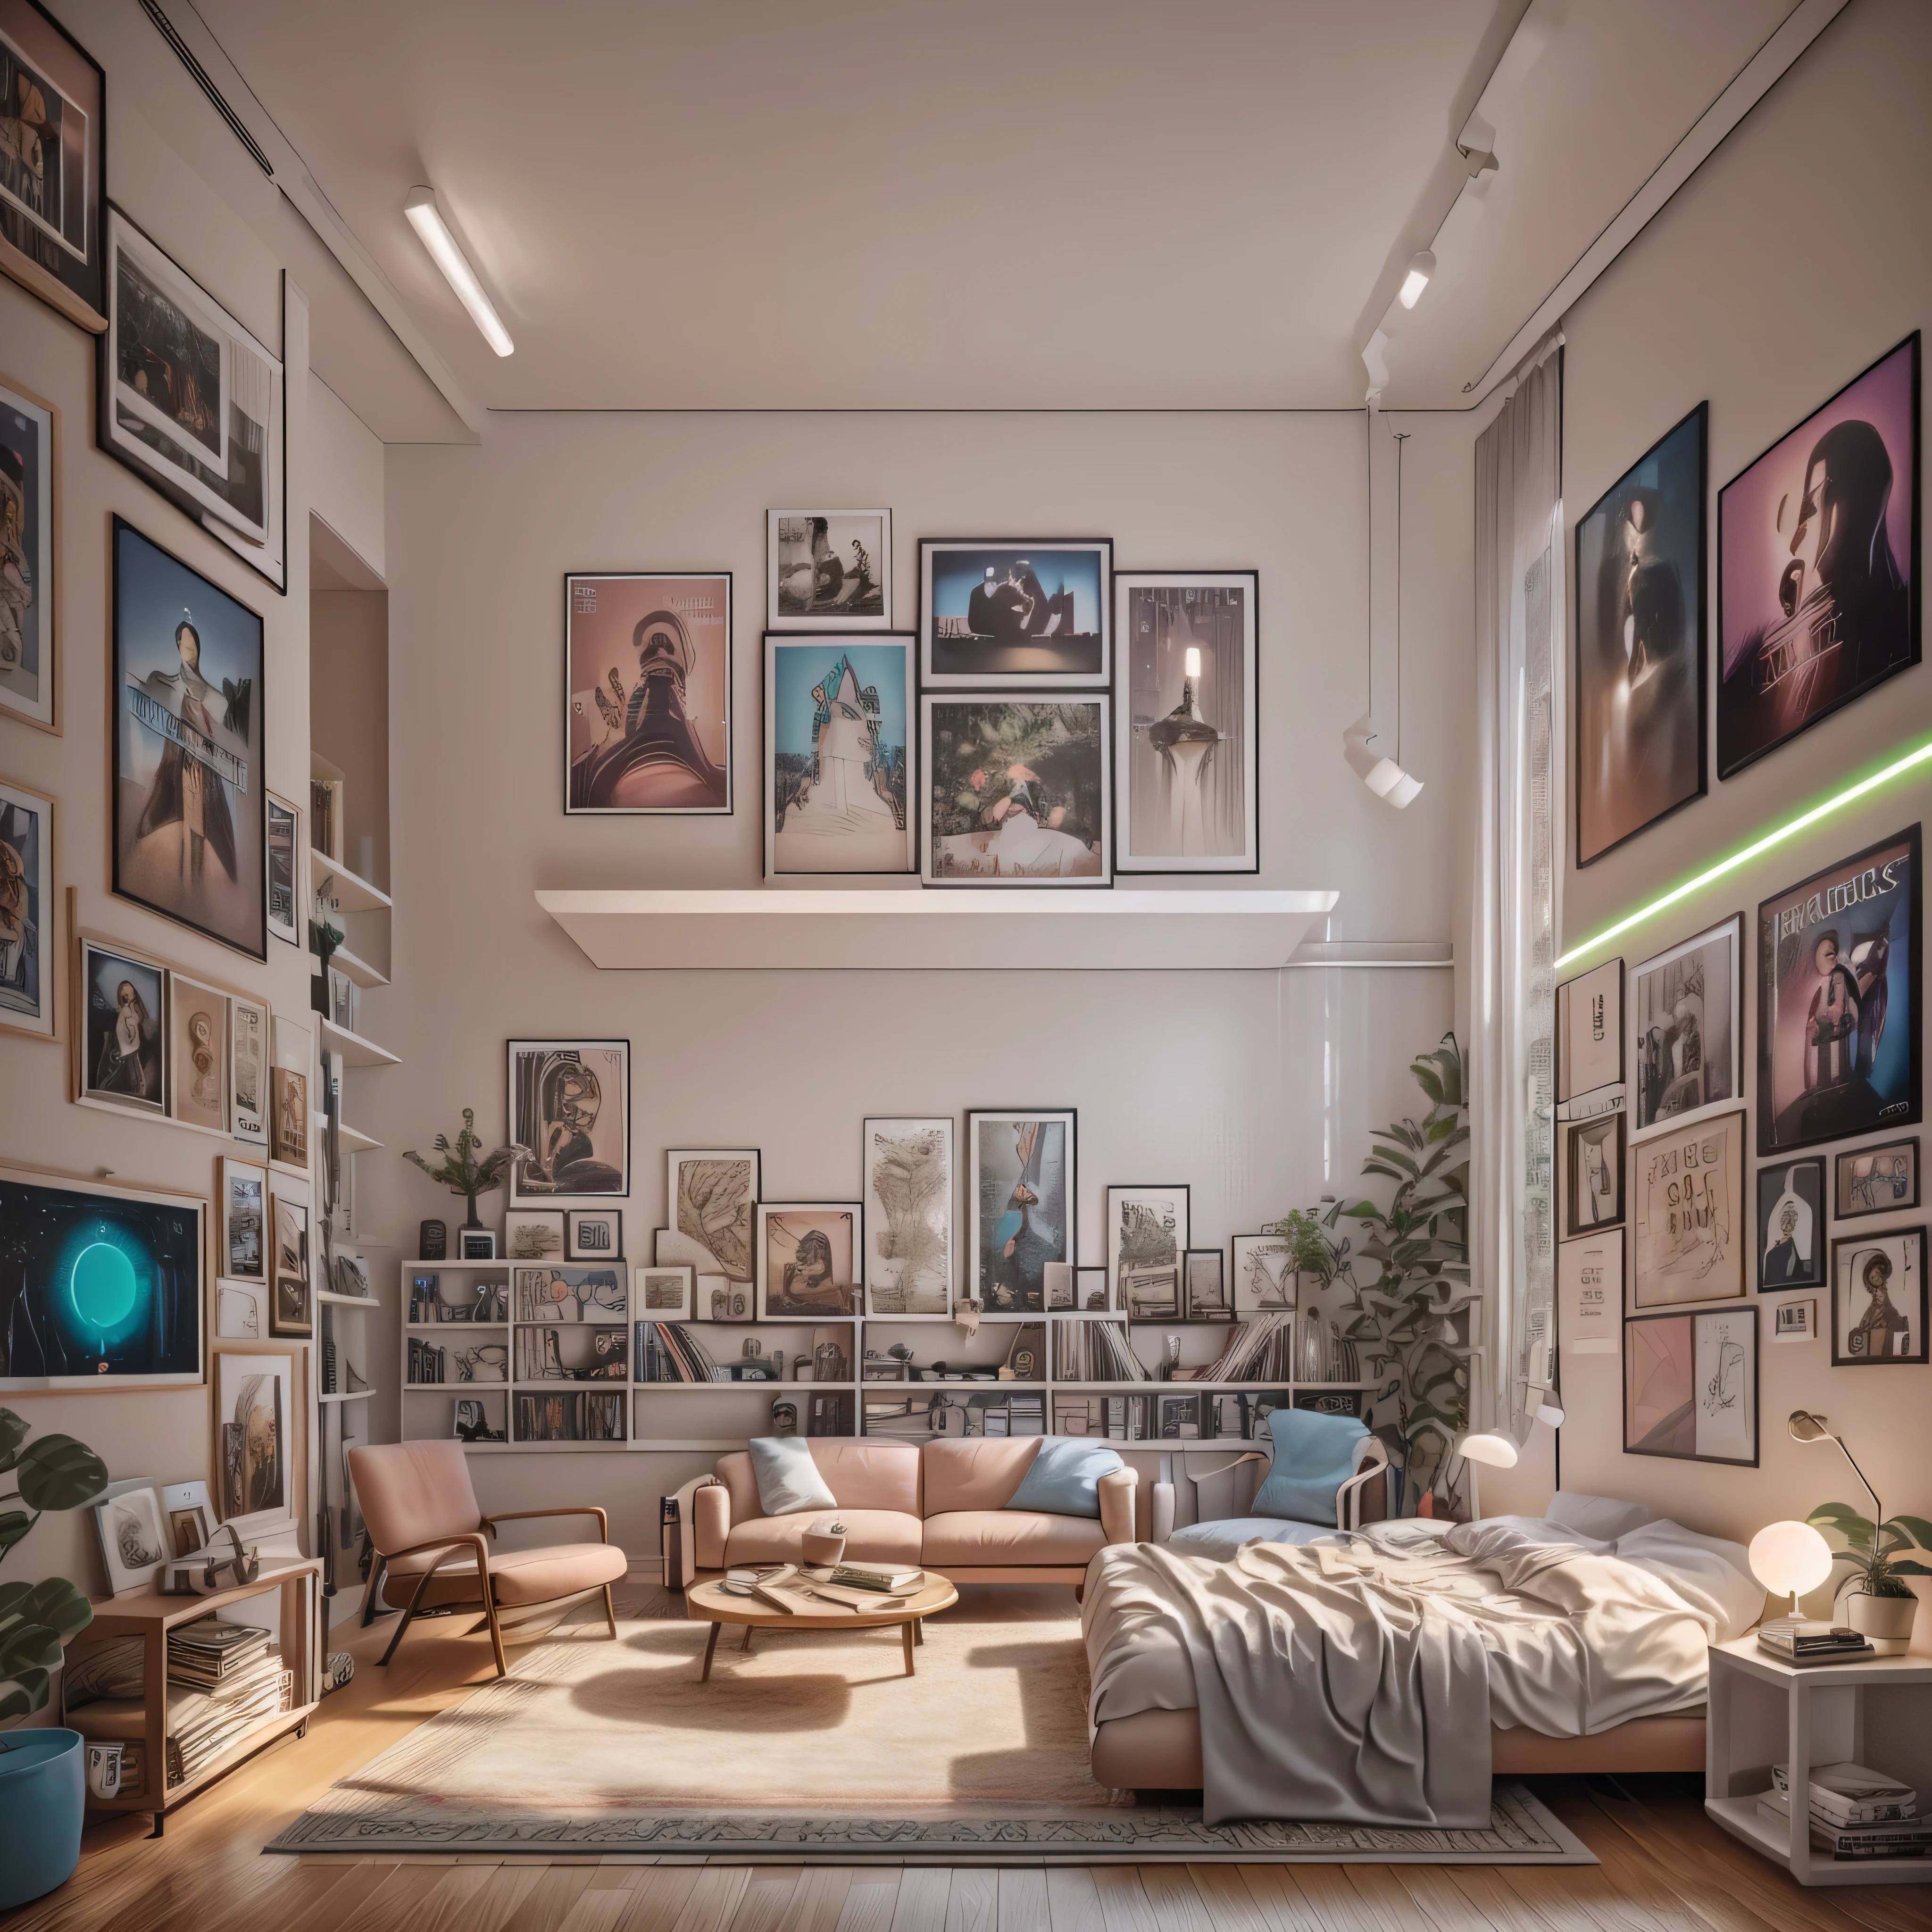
1877 1713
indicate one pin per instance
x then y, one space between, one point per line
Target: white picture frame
1684 1042
29 906
533 1234
243 1231
667 1294
133 1538
249 1024
1263 1275
260 1392
814 581
1139 1218
240 1311
33 697
287 856
910 1174
186 1510
594 1234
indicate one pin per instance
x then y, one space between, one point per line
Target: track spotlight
1421 266
1382 774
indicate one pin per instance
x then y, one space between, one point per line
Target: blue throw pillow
1314 1455
788 1479
1064 1478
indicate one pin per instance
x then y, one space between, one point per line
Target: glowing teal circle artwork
104 1286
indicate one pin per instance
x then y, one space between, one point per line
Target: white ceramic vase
1884 1621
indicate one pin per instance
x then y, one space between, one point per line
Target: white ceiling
896 203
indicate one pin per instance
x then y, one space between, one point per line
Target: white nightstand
1877 1713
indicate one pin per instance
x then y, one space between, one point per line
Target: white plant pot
1886 1621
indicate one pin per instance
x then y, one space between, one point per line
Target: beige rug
813 1744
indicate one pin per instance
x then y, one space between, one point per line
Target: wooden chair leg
415 1601
609 1612
496 1631
374 1593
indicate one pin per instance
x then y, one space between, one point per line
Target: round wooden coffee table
713 1604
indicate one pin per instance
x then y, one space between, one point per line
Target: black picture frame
1601 664
1222 1308
538 1076
1789 1117
979 1286
969 667
1883 1192
1605 1130
1846 1250
1804 1181
1118 1264
1743 739
147 591
1667 1437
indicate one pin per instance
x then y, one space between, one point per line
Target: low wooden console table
149 1616
713 1603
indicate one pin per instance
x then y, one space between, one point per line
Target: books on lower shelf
668 1351
1895 1838
429 1364
583 1415
223 1680
1095 1351
1852 1794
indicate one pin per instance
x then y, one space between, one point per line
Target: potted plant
1312 1259
43 1777
1882 1605
460 1171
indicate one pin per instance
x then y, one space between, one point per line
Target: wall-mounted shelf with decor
336 881
1027 928
354 1049
353 1140
357 969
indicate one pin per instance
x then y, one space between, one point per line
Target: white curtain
1520 603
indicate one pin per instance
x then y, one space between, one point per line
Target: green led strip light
1918 755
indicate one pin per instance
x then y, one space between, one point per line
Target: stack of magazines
223 1680
1258 1350
1796 1640
1856 1813
1095 1351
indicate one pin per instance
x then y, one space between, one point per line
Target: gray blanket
1323 1696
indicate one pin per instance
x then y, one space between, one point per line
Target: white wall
345 473
1795 258
1218 1079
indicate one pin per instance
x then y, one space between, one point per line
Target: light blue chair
1327 1475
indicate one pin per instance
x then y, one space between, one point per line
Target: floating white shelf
353 1140
355 1050
1027 928
349 893
329 1295
357 969
353 1395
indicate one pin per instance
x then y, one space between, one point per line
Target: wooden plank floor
1665 1867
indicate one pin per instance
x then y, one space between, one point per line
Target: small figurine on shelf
460 1171
784 1418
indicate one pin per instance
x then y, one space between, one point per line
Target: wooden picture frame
239 1471
1688 1214
245 1232
291 1288
30 441
32 965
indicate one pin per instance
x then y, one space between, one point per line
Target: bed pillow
1314 1455
1602 1518
1064 1478
788 1479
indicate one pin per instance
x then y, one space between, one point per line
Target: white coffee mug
103 1769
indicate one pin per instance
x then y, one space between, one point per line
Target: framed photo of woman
121 1046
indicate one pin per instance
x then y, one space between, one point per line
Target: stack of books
1095 1351
223 1680
1798 1641
1856 1813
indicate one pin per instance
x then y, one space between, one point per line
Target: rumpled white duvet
1357 1681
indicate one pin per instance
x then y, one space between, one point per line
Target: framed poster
1640 643
533 1234
1030 612
289 1118
258 1405
1021 1186
570 1105
1791 1225
808 1254
99 1285
1877 1180
1795 1320
1014 791
1147 1233
838 762
1684 1056
291 1296
29 986
285 862
190 832
248 1080
243 1254
907 1199
1818 564
192 402
1204 1285
594 1234
1593 1174
1688 1183
1837 1008
29 543
1878 1298
1590 1031
1590 1293
1691 1386
197 1055
52 166
829 570
121 1046
647 670
1186 725
1264 1278
713 1193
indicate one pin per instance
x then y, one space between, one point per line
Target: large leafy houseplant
54 1472
1872 1564
1405 1320
460 1171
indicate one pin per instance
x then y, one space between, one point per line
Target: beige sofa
939 1504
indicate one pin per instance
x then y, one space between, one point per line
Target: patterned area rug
815 1746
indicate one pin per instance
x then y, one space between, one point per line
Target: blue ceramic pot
43 1797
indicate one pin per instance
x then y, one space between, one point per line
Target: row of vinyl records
1261 1349
1229 1416
585 1416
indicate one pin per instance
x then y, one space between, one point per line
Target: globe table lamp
1788 1559
1499 1451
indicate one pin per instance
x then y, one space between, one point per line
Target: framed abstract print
570 1105
248 1082
288 1117
829 570
133 1542
1186 721
647 662
838 763
1640 643
1147 1237
713 1193
243 1256
1015 791
190 831
193 403
1264 1279
198 1055
29 981
1684 1057
1204 1285
533 1234
286 899
1021 1185
594 1234
1590 1032
1818 564
1881 1179
1796 1320
1878 1298
908 1197
1687 1212
1837 1007
1593 1174
291 1296
1791 1225
1590 1293
1032 614
240 1311
663 1294
29 546
101 1285
259 1399
120 1044
52 175
1691 1386
808 1255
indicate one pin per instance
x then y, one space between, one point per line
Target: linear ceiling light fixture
426 218
1920 754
